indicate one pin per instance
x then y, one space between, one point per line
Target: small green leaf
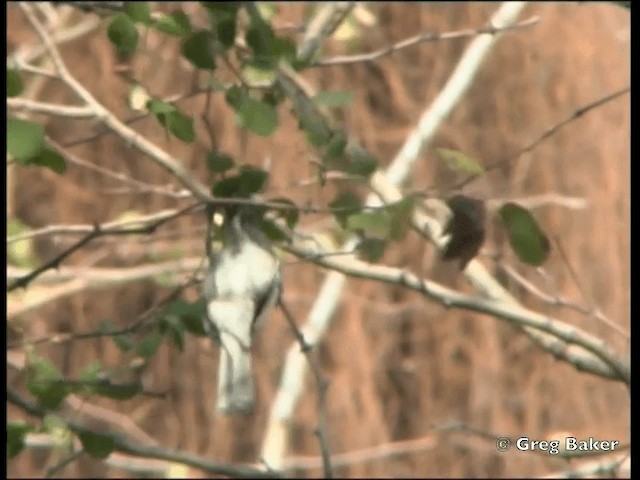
219 162
527 239
44 381
139 12
252 180
176 23
361 163
117 391
91 372
14 83
235 96
24 139
95 444
361 167
344 205
16 431
460 162
223 19
336 98
191 315
123 33
260 39
254 75
272 231
371 249
171 325
177 123
400 216
336 147
48 158
21 253
371 223
227 187
259 117
290 215
198 49
149 344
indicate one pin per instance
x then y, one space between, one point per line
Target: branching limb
422 37
123 444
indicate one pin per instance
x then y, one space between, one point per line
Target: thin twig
422 37
95 233
321 384
123 444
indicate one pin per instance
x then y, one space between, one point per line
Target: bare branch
95 233
422 37
123 444
132 137
24 104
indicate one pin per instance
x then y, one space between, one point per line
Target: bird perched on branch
466 227
243 283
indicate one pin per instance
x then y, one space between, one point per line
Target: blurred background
432 385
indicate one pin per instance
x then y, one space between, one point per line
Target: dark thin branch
123 444
133 328
552 130
422 37
97 232
322 386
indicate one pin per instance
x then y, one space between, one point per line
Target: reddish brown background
397 364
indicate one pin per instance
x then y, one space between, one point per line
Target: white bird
243 283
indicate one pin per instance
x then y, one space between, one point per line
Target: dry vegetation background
398 365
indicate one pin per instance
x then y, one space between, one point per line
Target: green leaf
252 180
235 96
223 19
171 325
259 117
177 123
91 372
527 239
44 381
123 33
371 249
362 167
198 49
371 223
117 391
176 23
345 205
20 253
227 187
260 39
24 139
460 162
14 83
48 158
95 444
149 344
139 12
336 147
219 162
191 315
123 341
335 98
400 216
16 431
361 163
291 215
254 75
272 231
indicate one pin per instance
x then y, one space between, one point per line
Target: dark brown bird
466 227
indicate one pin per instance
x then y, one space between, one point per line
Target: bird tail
236 392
